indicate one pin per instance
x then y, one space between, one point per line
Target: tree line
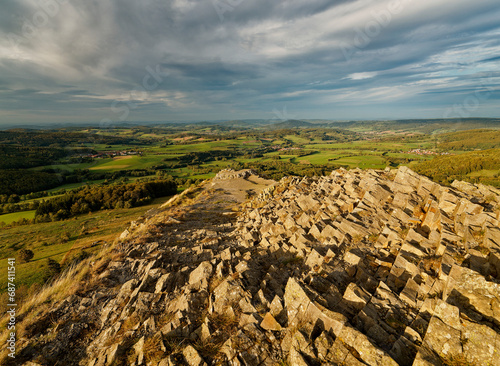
95 198
20 157
26 182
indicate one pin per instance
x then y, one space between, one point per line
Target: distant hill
426 126
470 140
421 125
292 123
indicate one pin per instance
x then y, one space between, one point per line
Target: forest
470 140
22 182
19 157
26 181
446 169
61 138
95 198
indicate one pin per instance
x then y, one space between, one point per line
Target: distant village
425 152
111 154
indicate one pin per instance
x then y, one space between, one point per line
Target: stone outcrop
229 174
361 267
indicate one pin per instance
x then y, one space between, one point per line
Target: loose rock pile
362 267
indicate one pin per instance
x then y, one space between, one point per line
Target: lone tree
26 255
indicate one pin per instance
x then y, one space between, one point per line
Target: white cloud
362 75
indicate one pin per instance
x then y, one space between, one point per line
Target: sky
109 61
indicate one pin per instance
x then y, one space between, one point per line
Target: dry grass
432 264
457 360
478 235
186 197
356 239
403 232
153 348
129 323
34 308
224 323
222 327
484 250
283 362
69 283
208 349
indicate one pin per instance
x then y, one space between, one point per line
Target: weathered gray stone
366 350
470 291
356 297
228 292
314 260
443 339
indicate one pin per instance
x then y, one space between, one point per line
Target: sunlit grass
60 239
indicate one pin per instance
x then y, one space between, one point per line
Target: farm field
126 162
206 146
16 216
74 185
201 152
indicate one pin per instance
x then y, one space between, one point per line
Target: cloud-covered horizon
121 60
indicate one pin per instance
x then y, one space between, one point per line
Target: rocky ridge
362 267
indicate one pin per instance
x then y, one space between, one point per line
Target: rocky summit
361 267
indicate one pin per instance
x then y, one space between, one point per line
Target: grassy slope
15 216
62 240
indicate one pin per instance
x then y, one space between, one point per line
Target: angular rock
269 323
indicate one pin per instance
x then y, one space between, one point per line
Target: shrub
53 269
26 255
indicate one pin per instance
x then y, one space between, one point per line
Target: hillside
475 166
470 140
291 123
360 267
